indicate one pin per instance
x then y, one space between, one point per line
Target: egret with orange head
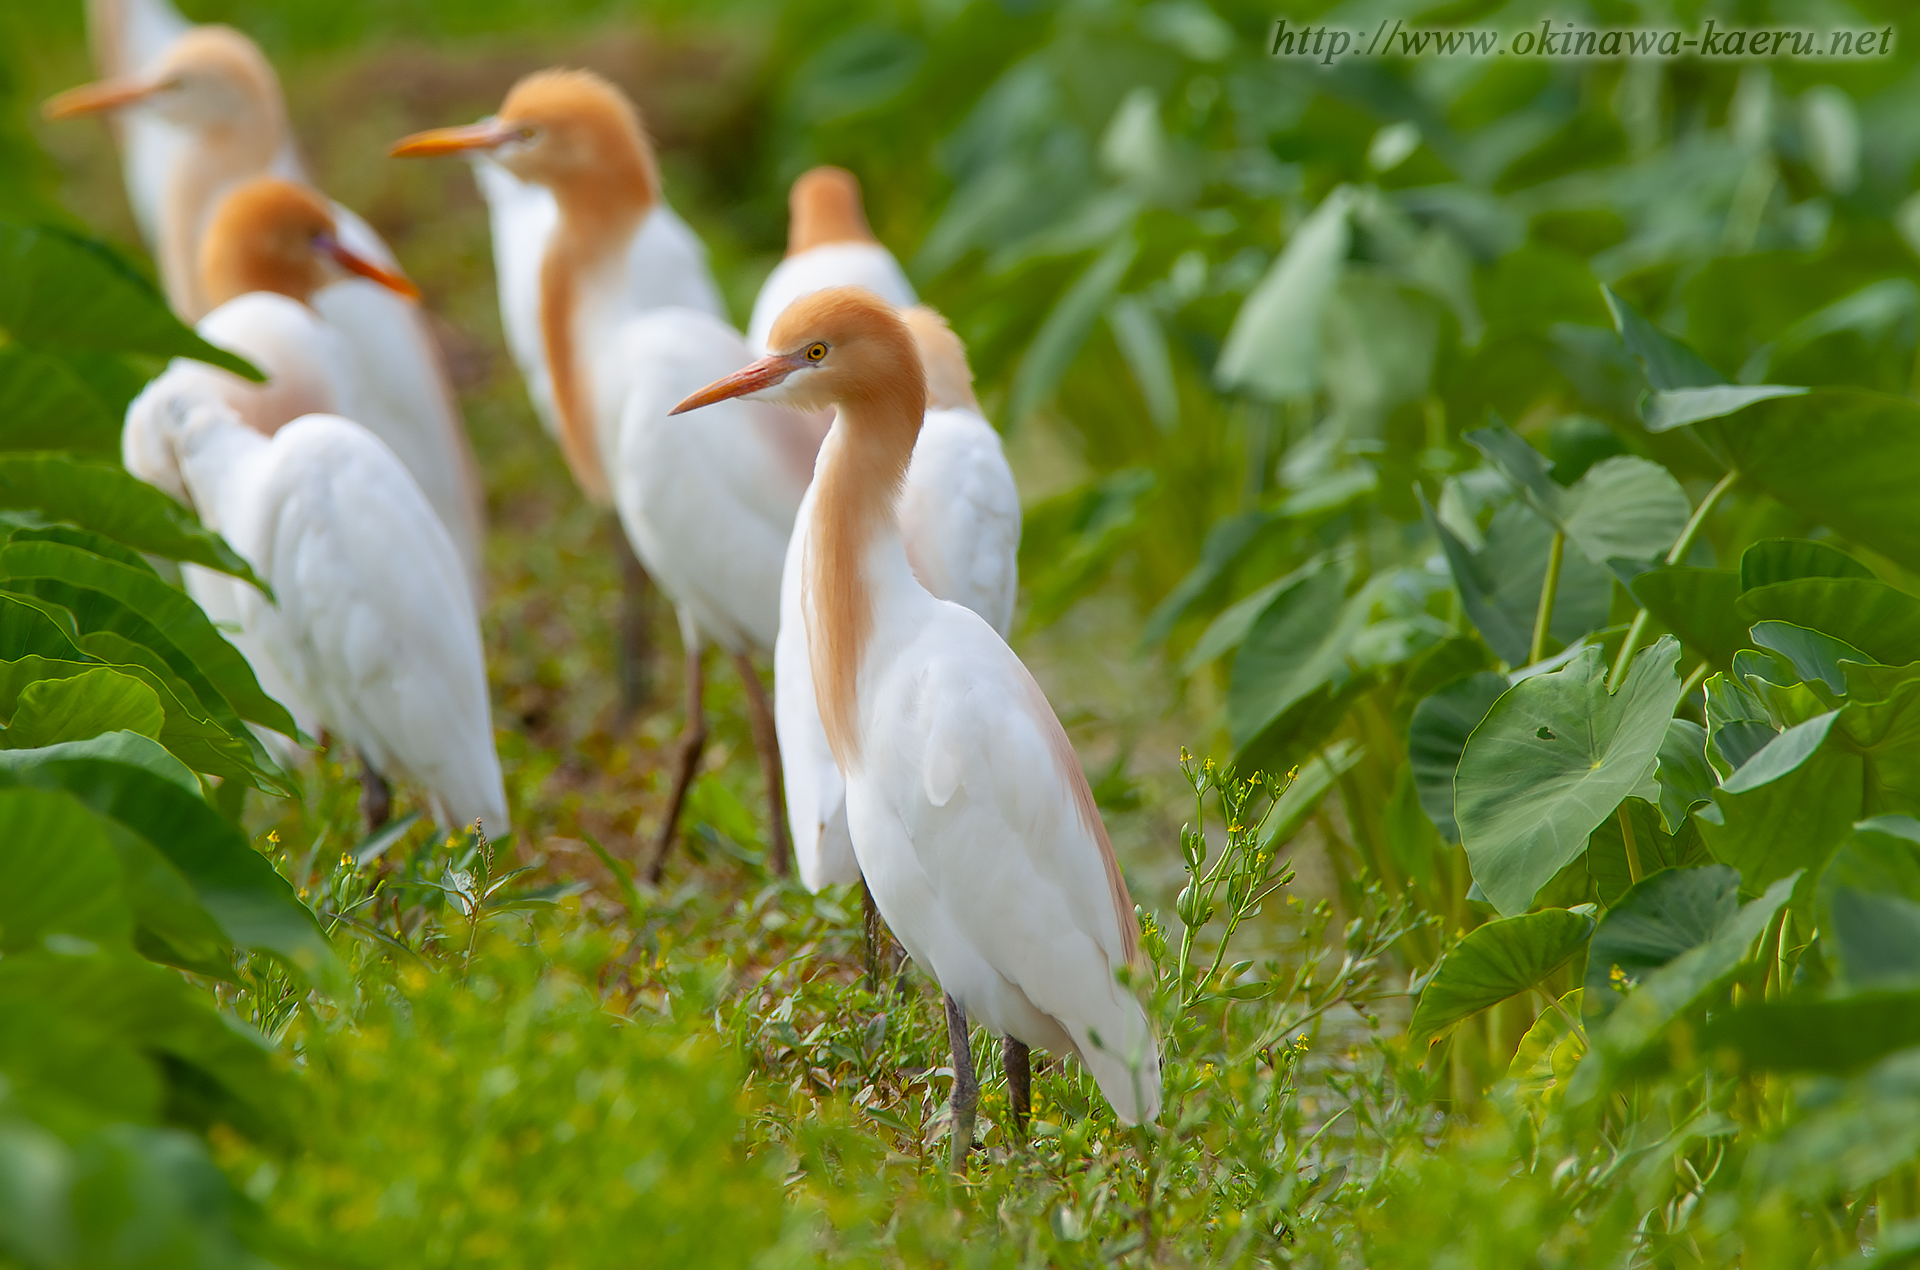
613 317
198 111
971 819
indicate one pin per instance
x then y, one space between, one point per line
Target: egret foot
876 931
693 740
966 1087
767 742
1017 1059
634 655
376 799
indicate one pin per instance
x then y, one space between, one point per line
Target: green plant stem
1633 849
1548 586
1694 680
1679 552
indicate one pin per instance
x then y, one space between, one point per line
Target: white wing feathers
960 516
666 267
816 796
402 394
960 523
374 627
1018 914
707 498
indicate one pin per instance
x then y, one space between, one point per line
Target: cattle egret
971 819
828 245
373 631
626 322
960 524
199 111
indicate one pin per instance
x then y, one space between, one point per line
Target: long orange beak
97 98
438 141
399 284
764 373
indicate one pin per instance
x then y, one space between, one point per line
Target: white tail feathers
1124 1060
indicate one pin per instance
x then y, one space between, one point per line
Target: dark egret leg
767 741
875 932
376 800
966 1086
635 652
1016 1058
693 739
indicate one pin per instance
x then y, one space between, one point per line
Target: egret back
403 395
844 264
374 625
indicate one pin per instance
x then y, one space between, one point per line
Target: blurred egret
373 630
970 817
828 245
618 319
198 110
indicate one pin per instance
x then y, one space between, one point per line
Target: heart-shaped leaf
1495 961
1659 918
1553 758
1623 507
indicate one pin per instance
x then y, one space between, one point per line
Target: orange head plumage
824 207
211 78
270 234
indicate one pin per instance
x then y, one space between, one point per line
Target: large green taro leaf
1552 759
1622 507
1494 962
78 707
1845 457
1659 918
1697 605
58 290
1864 612
1296 645
61 877
1438 733
1836 1035
1772 560
92 586
1500 584
1633 1035
1787 808
109 501
255 906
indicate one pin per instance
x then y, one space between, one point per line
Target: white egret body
959 510
959 515
970 817
709 515
373 631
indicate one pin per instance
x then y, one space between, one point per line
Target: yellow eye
816 351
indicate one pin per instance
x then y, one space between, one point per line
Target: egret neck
581 283
855 553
